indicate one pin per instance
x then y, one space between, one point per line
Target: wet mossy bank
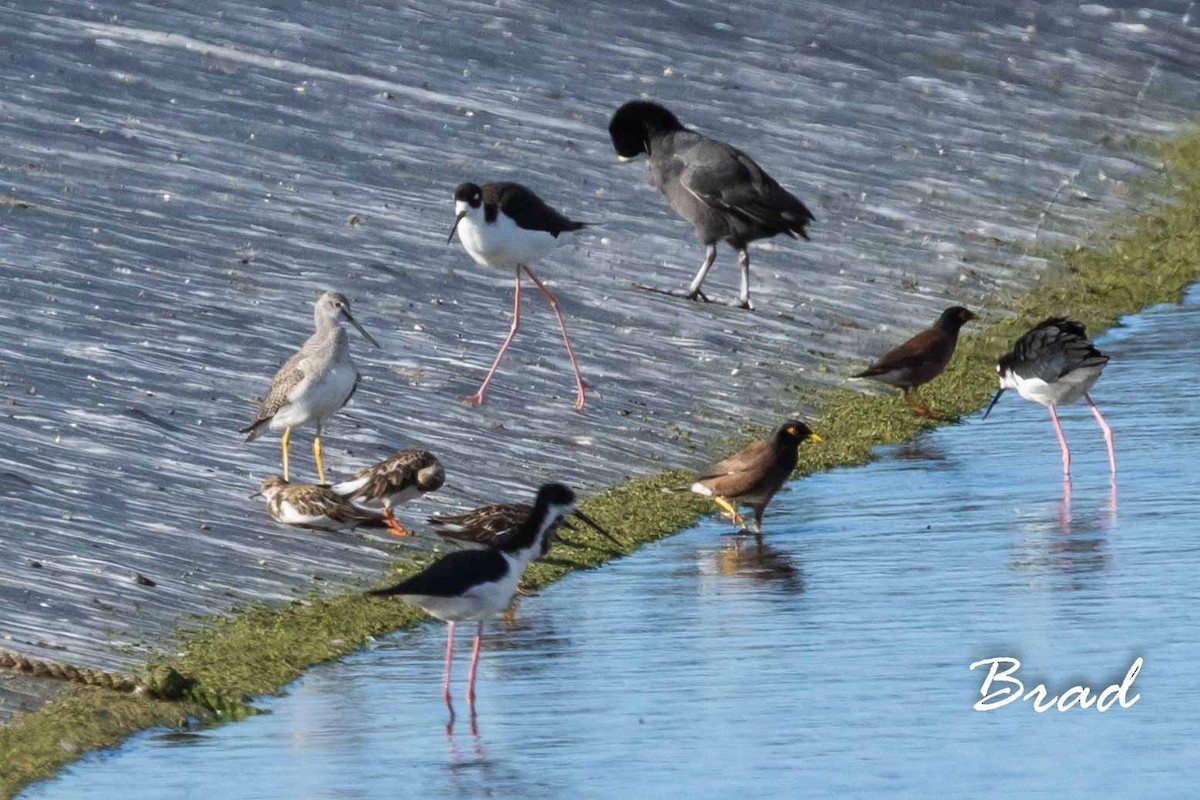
258 650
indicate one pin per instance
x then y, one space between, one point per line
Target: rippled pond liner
179 185
258 650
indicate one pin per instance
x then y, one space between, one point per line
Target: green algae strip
256 651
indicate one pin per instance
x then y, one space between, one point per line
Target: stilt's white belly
1063 391
503 244
480 602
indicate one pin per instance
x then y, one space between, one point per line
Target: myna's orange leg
916 403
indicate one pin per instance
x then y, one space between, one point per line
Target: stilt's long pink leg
474 664
449 661
580 385
477 398
1108 437
1062 442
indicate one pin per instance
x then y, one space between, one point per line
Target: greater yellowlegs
716 187
1054 364
506 225
315 382
920 359
397 479
753 475
478 584
306 505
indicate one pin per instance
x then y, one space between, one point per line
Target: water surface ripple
831 660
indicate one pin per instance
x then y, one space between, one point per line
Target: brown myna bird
921 359
404 475
752 476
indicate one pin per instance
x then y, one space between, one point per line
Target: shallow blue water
830 661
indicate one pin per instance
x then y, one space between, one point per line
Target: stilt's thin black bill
453 228
592 524
993 403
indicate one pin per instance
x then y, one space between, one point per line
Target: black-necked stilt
315 382
506 225
1054 364
306 505
716 187
477 584
753 475
404 475
921 359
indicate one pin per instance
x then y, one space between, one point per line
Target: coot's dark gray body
715 186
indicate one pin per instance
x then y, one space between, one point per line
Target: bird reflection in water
1064 508
752 558
1075 549
467 772
474 721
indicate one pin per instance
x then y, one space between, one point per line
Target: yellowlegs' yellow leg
317 456
287 434
730 510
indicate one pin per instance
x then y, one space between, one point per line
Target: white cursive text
1000 688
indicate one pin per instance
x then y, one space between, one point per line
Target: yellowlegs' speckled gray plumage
395 480
315 382
307 505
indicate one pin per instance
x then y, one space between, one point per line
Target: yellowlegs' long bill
716 187
753 475
920 359
506 225
1054 364
404 475
315 382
